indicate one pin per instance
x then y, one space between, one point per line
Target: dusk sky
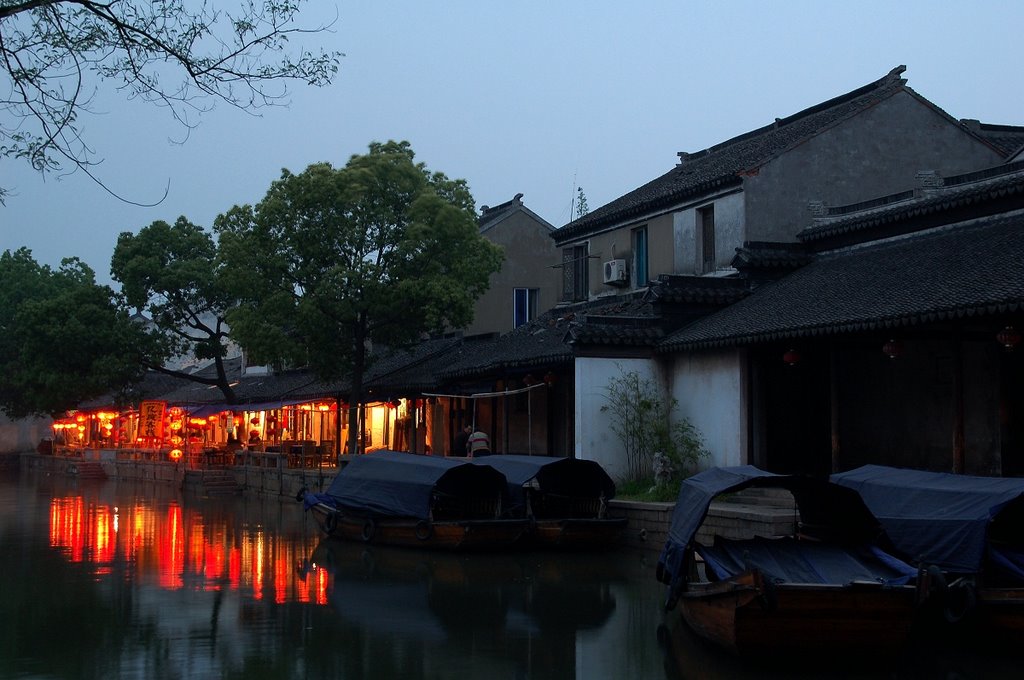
530 97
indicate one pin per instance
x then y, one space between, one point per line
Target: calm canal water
114 580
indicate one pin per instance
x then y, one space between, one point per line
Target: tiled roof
770 256
537 343
962 192
645 320
490 215
961 270
696 290
1007 139
724 164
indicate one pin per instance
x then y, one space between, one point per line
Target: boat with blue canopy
831 586
417 500
965 531
565 499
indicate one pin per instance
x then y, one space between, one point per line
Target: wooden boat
565 499
830 588
408 499
965 532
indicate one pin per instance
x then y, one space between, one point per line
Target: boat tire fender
424 530
960 600
369 529
768 598
331 523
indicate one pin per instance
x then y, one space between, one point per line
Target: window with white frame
524 305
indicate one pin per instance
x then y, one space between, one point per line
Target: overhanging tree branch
170 52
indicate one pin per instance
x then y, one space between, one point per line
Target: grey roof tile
964 269
724 164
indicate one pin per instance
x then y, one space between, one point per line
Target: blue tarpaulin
553 475
787 560
820 502
395 484
939 518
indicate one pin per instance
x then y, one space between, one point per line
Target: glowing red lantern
175 454
1009 338
791 357
892 349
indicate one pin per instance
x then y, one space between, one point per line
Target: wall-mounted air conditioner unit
615 273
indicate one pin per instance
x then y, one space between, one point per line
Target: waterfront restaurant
304 433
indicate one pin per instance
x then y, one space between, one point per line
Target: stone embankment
765 512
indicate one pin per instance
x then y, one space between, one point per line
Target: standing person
461 445
479 444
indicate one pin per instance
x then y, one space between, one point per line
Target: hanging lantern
175 454
1009 338
892 349
791 357
549 379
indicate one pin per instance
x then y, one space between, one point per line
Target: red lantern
791 357
175 454
892 349
1009 338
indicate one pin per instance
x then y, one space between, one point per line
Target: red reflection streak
179 547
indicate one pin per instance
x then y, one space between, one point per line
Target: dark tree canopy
380 251
64 339
171 273
181 54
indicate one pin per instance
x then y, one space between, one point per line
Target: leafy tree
179 54
334 259
644 422
63 338
171 273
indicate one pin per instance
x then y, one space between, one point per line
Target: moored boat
565 499
831 587
965 532
415 500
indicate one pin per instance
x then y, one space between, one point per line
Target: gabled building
757 187
896 343
755 210
527 283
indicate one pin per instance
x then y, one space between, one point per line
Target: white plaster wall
709 388
18 436
730 232
595 440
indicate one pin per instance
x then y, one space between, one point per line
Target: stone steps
211 482
86 469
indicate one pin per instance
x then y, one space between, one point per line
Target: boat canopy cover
820 502
937 517
395 484
557 475
787 560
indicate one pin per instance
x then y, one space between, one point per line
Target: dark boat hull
469 534
573 533
750 618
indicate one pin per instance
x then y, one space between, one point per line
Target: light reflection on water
140 581
101 580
